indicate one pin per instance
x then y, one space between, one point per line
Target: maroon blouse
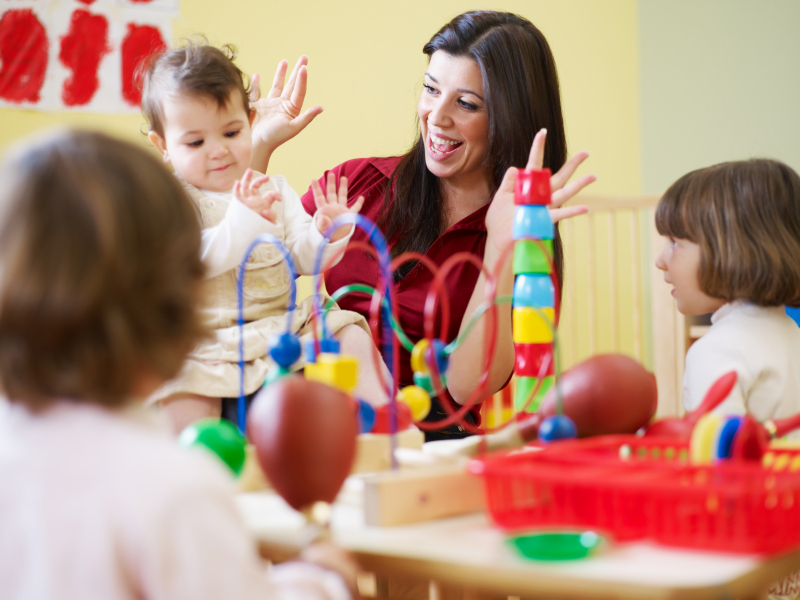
369 177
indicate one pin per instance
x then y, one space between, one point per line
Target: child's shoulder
118 458
746 330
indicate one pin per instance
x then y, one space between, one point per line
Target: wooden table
467 557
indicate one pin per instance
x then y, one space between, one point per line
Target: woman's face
454 119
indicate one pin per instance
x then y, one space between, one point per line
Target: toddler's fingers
271 198
356 208
259 181
331 188
343 190
319 197
248 175
323 222
255 88
269 215
237 191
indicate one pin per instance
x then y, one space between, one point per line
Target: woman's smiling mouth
441 148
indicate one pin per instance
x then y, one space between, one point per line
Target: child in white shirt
733 249
99 276
196 103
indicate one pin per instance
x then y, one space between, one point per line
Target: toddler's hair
99 270
745 216
195 69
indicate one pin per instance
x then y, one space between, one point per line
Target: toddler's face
209 146
680 261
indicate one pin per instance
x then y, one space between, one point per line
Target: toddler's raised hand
247 191
330 205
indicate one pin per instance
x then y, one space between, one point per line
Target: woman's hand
277 118
332 205
247 191
500 216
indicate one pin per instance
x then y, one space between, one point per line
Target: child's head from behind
736 225
196 102
99 271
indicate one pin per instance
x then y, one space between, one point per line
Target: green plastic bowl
556 545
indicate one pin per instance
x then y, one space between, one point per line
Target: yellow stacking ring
705 437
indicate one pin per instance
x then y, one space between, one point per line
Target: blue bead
726 437
366 416
557 427
442 360
532 221
311 352
329 345
284 348
534 290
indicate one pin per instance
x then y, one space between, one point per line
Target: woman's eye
468 105
429 88
231 134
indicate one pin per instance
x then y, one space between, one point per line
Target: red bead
404 418
528 359
532 187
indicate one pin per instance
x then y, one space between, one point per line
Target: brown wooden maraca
305 438
605 394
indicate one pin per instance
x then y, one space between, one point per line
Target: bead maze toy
535 315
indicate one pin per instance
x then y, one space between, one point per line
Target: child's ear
252 116
160 143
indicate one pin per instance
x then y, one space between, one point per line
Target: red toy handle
784 426
714 396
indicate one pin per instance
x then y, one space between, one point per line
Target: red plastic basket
634 488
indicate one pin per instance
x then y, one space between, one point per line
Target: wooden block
373 449
402 497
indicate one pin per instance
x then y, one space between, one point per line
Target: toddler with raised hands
100 275
196 103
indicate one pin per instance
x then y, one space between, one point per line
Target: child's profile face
209 146
680 261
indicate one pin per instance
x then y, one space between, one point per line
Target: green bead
529 258
423 380
274 373
525 386
221 437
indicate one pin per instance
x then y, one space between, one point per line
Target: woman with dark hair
490 97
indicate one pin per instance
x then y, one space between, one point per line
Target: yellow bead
418 363
417 400
337 370
533 325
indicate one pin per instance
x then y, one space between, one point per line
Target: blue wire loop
264 238
379 242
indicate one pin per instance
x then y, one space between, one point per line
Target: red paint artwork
23 56
82 49
86 2
141 42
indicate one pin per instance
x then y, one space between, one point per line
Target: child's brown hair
99 270
745 216
195 69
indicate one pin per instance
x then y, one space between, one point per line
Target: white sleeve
199 549
706 361
302 238
223 246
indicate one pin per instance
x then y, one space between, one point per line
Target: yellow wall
365 69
